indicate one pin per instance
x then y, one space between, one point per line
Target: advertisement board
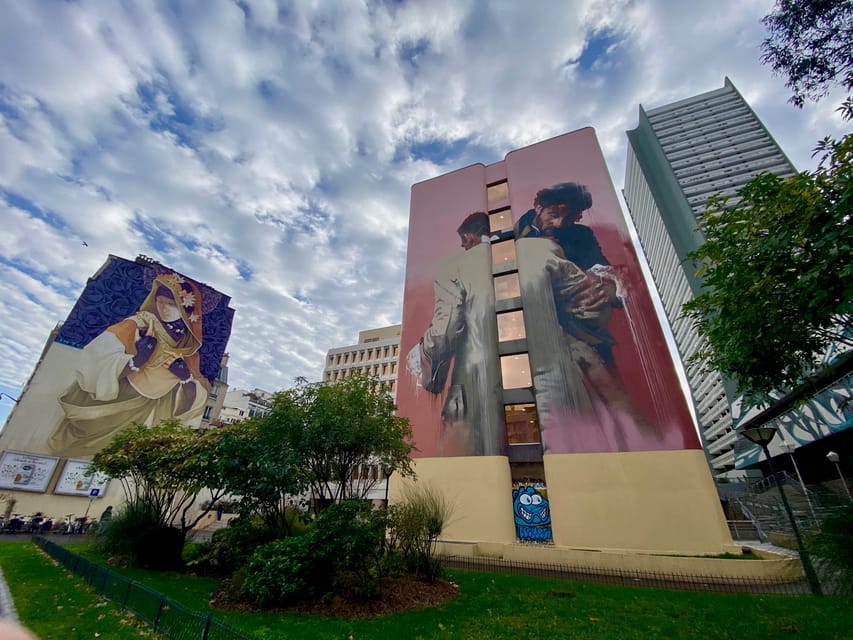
26 472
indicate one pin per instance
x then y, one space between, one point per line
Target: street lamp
835 459
762 437
387 470
790 448
8 396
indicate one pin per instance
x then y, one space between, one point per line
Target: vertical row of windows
522 424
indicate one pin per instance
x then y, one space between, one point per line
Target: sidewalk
770 548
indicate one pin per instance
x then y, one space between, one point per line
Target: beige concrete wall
653 501
480 488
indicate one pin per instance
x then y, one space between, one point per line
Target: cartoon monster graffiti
532 512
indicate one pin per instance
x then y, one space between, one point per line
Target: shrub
283 572
834 548
231 547
136 535
415 525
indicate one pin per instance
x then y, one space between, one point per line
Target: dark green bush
833 550
136 535
231 547
284 571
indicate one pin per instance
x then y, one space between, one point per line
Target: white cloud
277 140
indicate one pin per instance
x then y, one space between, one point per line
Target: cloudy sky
267 148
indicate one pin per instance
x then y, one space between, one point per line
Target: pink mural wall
602 374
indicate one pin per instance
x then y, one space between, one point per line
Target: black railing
167 617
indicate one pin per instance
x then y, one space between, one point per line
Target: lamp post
790 448
387 470
834 458
762 437
15 400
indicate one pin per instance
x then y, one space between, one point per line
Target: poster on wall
76 481
26 472
142 344
531 511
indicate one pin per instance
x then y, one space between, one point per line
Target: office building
375 354
679 156
536 376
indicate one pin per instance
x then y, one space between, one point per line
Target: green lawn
491 606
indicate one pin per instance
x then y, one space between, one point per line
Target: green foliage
334 428
343 550
811 42
834 548
137 535
231 547
778 271
415 525
164 468
260 466
284 571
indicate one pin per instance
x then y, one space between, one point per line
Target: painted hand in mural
145 346
180 370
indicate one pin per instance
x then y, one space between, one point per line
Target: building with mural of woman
142 344
543 397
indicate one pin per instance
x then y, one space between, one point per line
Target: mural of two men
570 292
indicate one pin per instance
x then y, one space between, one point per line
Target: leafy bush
415 524
833 547
231 547
137 535
285 571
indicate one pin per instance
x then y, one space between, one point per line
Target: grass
56 605
491 606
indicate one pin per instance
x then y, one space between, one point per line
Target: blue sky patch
25 204
596 47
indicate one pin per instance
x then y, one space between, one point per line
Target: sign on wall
76 481
26 472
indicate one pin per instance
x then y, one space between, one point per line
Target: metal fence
169 618
628 577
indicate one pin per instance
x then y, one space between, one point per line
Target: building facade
216 398
679 156
542 396
240 405
142 344
375 354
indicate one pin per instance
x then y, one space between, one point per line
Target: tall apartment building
375 354
240 405
679 156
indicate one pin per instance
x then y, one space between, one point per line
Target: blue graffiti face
530 508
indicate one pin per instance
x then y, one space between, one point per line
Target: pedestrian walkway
7 606
770 548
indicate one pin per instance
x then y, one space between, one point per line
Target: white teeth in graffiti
525 513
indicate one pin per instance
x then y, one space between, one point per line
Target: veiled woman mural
143 369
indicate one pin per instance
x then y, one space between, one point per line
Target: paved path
766 546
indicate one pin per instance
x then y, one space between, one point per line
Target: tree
336 428
259 465
163 469
811 42
778 272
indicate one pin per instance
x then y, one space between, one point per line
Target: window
511 326
500 220
503 252
396 350
497 193
506 286
522 425
206 415
393 367
515 371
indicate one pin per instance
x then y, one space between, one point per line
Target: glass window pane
500 220
522 425
515 371
511 326
497 193
506 286
503 252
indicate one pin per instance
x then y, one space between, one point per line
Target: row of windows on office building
365 355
